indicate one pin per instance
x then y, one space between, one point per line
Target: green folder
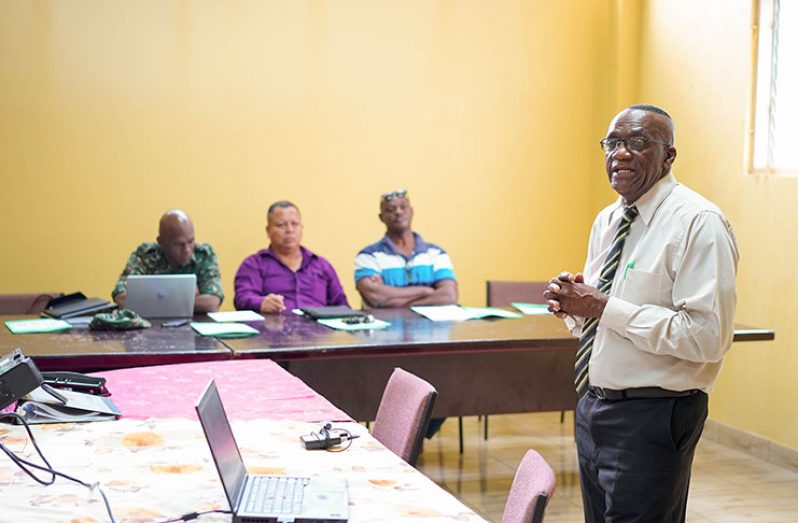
224 330
38 325
532 308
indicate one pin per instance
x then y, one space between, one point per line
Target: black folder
333 311
76 304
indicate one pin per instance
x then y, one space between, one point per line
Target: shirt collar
388 245
648 204
306 255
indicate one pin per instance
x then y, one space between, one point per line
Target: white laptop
262 498
162 295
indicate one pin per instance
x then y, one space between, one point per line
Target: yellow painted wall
695 62
113 112
488 112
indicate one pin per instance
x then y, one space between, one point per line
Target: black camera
18 376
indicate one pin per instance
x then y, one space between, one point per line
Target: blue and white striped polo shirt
428 265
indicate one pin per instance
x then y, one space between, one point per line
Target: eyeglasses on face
400 193
633 143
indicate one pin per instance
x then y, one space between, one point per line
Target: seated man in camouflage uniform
176 252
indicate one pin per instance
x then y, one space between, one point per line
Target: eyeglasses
354 320
632 144
400 193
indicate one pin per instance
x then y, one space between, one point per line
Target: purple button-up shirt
315 284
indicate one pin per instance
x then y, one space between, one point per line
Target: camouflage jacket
149 258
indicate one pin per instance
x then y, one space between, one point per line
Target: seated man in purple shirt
286 275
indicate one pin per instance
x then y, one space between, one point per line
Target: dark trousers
635 456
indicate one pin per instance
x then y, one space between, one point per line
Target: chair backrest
404 413
27 303
532 488
502 293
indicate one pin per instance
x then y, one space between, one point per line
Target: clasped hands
568 295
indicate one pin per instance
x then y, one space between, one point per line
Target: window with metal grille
774 122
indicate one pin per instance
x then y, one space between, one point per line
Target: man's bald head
176 237
662 119
173 220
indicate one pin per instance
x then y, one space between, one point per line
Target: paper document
38 325
340 324
80 320
441 312
224 330
226 316
532 308
457 313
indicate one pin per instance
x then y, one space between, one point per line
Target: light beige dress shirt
670 316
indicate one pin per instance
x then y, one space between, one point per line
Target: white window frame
765 137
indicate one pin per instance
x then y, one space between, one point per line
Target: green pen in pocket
630 265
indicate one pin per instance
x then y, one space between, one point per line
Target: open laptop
261 498
162 295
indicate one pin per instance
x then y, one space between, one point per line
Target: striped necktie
608 271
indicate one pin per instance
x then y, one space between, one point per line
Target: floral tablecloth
159 469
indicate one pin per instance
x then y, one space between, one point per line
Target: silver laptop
261 498
162 295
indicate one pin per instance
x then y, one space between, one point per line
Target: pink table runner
250 389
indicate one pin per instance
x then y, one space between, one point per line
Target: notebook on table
162 295
265 498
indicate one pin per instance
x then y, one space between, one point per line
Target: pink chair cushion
30 303
533 476
401 414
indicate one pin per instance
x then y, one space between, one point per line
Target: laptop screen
162 295
222 443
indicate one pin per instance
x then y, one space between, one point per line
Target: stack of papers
38 325
458 313
224 330
532 308
226 316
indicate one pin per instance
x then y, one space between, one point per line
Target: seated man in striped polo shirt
402 269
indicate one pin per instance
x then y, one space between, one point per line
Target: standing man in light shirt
286 275
654 310
402 269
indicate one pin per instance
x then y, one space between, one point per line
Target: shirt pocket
641 288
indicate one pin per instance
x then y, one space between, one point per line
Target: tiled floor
727 486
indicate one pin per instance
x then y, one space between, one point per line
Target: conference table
81 349
154 463
487 366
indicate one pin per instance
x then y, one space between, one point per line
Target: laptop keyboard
276 495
